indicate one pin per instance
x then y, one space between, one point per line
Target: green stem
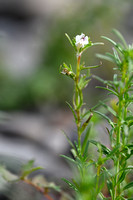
118 141
97 181
77 99
122 113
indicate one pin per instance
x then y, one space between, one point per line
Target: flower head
81 41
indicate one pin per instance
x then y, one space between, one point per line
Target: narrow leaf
111 154
105 117
114 43
104 37
110 186
108 89
102 80
71 185
69 39
90 67
128 186
86 137
129 118
118 61
28 172
122 177
102 196
105 150
80 98
7 175
76 184
28 165
72 110
86 151
108 108
97 43
120 36
105 57
68 139
68 158
112 57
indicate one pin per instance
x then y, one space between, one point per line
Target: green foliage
28 168
119 117
8 176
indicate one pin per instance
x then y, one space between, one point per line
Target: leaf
97 43
86 137
105 117
87 112
68 158
71 185
109 108
102 196
105 57
129 118
110 186
68 139
128 186
85 124
28 168
111 154
124 172
130 146
53 186
130 123
117 59
108 173
80 98
120 36
130 79
85 152
28 165
90 67
28 172
120 198
83 82
71 42
7 175
105 88
72 111
122 177
78 150
105 150
76 184
100 79
114 59
128 151
114 43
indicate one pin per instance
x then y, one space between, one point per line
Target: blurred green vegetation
46 85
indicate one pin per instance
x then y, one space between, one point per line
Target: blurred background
32 92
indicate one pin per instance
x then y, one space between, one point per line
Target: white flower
81 41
